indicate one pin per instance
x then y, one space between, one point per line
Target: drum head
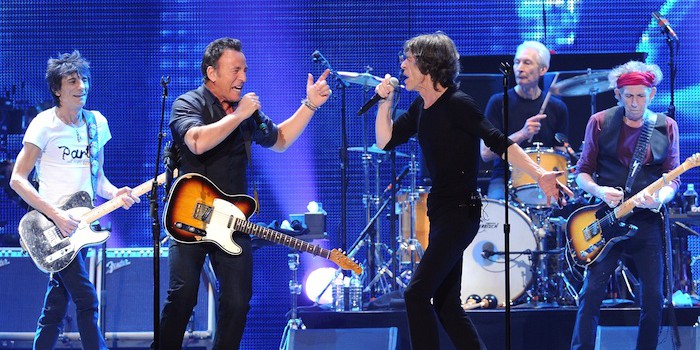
483 274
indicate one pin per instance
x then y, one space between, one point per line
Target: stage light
316 281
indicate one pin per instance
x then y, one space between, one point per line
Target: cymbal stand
410 247
294 322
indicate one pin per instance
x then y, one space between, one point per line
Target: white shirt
63 168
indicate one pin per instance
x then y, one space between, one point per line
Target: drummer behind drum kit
541 274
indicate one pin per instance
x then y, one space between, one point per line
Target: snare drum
483 275
421 222
525 189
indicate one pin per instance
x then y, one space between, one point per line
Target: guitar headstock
344 262
693 160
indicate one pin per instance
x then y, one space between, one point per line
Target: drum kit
540 271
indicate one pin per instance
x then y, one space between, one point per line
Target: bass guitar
198 211
46 245
592 230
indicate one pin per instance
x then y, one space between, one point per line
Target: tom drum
524 188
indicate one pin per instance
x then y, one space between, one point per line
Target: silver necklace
74 126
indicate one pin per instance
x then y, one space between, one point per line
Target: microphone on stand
372 101
316 56
399 178
665 26
561 138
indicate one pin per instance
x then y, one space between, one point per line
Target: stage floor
544 328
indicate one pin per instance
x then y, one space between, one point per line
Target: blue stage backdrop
132 44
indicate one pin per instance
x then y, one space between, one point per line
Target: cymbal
581 85
376 150
364 79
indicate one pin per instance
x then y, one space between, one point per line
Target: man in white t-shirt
57 144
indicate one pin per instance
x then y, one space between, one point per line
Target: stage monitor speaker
127 302
22 294
343 338
625 337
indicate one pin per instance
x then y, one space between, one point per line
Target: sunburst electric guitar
49 249
592 230
198 211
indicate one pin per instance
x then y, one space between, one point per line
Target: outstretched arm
317 93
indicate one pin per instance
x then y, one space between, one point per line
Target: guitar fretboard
115 203
248 227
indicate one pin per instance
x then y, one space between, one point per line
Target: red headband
636 78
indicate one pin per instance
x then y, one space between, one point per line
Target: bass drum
483 274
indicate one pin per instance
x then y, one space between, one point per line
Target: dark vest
611 172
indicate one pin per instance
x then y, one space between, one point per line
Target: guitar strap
640 151
93 149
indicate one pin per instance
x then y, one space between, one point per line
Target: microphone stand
394 235
506 70
155 226
341 84
672 73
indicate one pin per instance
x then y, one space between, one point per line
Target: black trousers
235 281
453 226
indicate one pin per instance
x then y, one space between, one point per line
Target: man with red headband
609 170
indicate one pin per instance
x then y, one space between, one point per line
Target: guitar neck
116 203
248 227
626 207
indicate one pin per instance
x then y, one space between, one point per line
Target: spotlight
316 281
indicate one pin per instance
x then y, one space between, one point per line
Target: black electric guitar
198 211
49 249
592 230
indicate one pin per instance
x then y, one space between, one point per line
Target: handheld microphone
665 26
372 101
399 177
561 138
259 122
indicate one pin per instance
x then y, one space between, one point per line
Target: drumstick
546 99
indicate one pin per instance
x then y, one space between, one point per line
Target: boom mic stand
155 226
506 70
343 85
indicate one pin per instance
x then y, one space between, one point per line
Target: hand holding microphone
382 91
250 105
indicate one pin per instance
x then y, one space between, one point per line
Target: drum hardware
622 284
294 322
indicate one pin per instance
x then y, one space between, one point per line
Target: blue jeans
70 283
439 277
235 277
646 250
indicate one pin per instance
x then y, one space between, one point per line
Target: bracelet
309 105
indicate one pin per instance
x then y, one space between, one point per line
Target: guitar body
198 211
46 245
592 231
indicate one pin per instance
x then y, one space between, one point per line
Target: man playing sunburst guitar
213 127
609 170
64 145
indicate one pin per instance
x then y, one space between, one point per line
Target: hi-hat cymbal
364 79
590 83
376 150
